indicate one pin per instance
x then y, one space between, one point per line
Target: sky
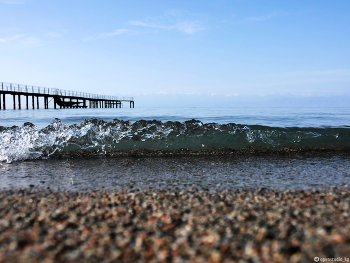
180 52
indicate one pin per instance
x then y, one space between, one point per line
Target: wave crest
28 142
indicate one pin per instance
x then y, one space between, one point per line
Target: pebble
173 226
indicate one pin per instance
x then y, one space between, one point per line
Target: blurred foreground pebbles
174 226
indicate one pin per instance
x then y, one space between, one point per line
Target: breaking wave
29 142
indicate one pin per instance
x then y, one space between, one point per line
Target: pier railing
11 87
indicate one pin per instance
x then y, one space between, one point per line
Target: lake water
273 117
30 140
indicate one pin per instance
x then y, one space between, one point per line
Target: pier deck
60 98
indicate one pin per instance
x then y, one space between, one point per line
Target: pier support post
4 101
37 102
33 102
19 102
47 102
14 101
27 102
132 104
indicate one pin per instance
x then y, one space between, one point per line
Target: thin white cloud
10 39
55 34
264 18
111 34
235 20
29 42
259 18
189 27
22 41
172 20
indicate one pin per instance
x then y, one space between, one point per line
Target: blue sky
166 49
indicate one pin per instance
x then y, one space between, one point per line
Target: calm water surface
273 117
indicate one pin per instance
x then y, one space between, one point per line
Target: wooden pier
59 98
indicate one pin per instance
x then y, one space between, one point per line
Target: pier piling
19 102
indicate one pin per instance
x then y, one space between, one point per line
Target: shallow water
212 173
40 133
29 142
217 128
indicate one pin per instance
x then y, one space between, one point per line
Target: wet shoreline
227 172
326 151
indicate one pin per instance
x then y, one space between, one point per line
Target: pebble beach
154 225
